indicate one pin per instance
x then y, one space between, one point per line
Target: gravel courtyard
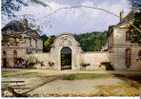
76 83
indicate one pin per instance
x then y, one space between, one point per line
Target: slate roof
17 28
14 25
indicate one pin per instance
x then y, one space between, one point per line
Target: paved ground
81 83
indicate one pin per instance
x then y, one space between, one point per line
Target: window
127 35
15 56
30 43
110 42
128 57
29 51
139 55
16 43
36 43
4 53
4 59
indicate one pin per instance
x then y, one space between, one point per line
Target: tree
48 42
136 34
44 37
93 41
135 28
136 4
9 7
40 3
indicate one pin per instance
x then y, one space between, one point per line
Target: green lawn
80 76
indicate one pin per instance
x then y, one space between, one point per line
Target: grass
80 76
35 73
17 74
22 74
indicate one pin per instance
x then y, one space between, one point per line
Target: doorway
66 58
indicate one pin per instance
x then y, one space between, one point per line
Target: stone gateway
66 54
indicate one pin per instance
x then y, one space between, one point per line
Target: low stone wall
45 58
94 59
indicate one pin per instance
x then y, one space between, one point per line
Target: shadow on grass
132 80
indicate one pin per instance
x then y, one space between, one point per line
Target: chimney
25 23
121 15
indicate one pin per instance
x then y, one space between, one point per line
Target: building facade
123 54
18 40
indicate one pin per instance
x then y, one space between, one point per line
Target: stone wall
10 54
79 58
135 60
45 58
21 50
94 59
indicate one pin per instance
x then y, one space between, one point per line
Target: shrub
69 77
85 64
31 61
107 65
50 64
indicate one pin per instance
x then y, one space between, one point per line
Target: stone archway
66 58
64 42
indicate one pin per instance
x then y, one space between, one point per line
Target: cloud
78 20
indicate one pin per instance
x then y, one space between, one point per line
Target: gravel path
73 87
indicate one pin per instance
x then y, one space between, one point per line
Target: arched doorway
66 58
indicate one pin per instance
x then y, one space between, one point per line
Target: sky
74 20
